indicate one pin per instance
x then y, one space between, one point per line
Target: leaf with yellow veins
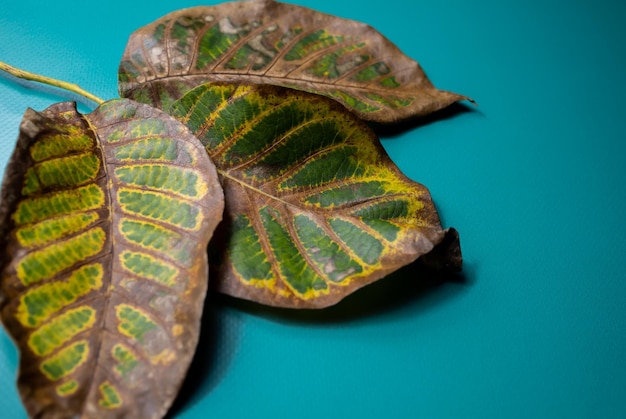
268 42
105 218
315 209
100 215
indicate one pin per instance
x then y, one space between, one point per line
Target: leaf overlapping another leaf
105 220
268 42
315 209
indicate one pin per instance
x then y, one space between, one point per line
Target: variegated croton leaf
314 206
268 42
104 224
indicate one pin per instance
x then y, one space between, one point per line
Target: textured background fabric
533 179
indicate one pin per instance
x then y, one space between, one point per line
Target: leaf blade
95 304
267 42
315 208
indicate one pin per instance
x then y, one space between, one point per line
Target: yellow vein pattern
280 44
108 217
316 207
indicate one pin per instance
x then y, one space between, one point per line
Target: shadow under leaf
219 338
424 283
393 130
402 288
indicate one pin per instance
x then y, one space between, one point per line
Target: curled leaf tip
446 256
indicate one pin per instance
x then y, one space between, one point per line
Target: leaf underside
267 42
104 223
315 209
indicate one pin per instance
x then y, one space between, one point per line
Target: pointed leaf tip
267 42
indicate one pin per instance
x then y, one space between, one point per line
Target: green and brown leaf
267 42
315 209
105 218
104 223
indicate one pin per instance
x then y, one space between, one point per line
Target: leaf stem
71 87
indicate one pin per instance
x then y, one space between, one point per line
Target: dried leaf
268 42
314 207
104 222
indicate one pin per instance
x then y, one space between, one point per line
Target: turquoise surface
533 178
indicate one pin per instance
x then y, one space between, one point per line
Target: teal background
533 178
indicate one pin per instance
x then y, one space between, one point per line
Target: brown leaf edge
275 117
36 399
268 42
